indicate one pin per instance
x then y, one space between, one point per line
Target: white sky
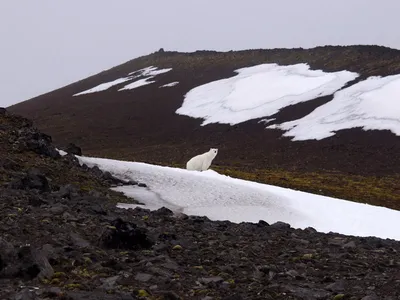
46 44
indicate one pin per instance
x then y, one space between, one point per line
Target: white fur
203 161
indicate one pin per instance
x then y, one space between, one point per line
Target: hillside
133 118
61 237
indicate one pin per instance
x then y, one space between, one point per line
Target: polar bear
203 161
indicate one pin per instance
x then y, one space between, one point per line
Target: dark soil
61 240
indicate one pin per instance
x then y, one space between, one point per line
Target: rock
350 245
53 292
233 297
109 283
337 242
307 293
96 171
163 211
40 143
337 286
68 191
143 277
58 209
112 179
78 241
293 274
73 149
3 111
35 179
26 294
371 297
170 295
126 236
36 201
280 225
9 164
208 280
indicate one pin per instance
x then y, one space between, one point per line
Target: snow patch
221 197
151 72
104 86
137 83
260 91
170 84
373 103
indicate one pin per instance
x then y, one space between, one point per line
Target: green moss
177 247
72 286
381 191
59 274
143 293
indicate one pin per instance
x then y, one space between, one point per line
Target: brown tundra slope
141 124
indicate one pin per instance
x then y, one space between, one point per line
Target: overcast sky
46 44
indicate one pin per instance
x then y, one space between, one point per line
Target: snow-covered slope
223 198
260 91
371 104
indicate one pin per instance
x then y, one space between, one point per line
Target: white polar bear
203 161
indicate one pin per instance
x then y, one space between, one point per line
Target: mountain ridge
142 124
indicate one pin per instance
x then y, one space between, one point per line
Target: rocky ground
61 237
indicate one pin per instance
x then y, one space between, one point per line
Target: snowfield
373 103
150 72
260 91
221 197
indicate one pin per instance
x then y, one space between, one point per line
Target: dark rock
262 223
58 209
34 179
113 180
307 293
53 292
78 241
32 263
337 242
142 185
233 297
163 211
26 294
68 191
73 149
207 280
371 297
35 200
143 277
280 225
350 245
3 111
96 171
9 164
337 286
170 295
40 143
126 236
109 283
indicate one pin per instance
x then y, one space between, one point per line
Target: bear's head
213 151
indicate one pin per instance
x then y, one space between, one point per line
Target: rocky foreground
61 237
